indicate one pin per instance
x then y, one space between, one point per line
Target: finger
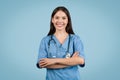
42 59
76 54
43 64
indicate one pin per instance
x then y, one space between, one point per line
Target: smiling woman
60 20
61 50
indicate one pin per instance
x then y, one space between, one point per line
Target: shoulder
46 38
75 37
77 40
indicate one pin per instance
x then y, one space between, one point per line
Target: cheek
54 21
66 21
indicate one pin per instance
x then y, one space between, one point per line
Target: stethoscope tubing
51 39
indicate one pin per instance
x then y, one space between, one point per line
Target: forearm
56 66
70 61
60 62
50 63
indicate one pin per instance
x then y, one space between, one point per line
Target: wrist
56 61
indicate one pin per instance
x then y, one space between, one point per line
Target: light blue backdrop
23 23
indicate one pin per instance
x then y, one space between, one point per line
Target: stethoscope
68 55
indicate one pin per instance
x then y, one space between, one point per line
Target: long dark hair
69 29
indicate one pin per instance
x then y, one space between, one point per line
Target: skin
61 62
60 21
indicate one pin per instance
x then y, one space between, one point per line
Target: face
60 20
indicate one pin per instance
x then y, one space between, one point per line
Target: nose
60 20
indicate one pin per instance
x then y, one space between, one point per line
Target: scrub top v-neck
61 47
59 51
58 42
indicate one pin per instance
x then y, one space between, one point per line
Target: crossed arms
55 63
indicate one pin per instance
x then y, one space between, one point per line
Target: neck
61 36
61 33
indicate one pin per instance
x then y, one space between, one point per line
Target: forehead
60 13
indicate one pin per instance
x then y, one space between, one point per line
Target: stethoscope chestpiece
67 55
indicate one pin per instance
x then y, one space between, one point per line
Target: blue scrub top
58 50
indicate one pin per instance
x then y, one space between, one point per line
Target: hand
46 62
76 54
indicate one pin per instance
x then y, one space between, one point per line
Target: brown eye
63 18
56 17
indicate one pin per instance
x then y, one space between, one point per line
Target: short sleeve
42 52
78 46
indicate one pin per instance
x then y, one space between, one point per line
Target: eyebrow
59 16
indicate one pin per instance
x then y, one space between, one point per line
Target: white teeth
60 24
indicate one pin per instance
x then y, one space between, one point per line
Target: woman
61 51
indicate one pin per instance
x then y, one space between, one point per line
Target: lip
59 24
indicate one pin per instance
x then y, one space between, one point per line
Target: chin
60 27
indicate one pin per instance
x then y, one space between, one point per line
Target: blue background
23 23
